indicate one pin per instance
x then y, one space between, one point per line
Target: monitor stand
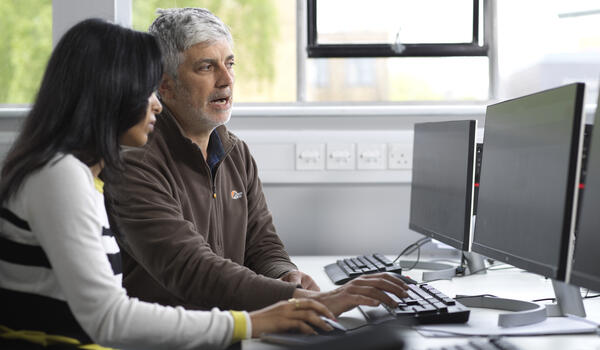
523 312
568 301
440 271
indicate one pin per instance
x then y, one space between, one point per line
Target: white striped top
58 254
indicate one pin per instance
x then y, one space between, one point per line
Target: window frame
316 50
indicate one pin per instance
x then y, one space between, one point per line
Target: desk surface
506 283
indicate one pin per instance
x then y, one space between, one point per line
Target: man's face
203 94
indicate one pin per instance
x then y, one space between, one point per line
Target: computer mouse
337 328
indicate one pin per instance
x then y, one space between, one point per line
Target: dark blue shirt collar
215 151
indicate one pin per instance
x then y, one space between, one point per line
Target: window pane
398 79
26 28
381 21
264 34
562 46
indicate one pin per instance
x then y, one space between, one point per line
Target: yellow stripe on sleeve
99 184
44 339
239 326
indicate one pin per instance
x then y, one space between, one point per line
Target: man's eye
231 64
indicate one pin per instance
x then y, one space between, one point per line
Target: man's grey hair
178 29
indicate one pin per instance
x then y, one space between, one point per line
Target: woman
60 270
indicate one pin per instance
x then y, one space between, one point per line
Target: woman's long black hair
96 86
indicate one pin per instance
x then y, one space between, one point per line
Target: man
190 213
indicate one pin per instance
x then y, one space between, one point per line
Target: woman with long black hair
60 273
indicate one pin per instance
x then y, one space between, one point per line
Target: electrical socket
399 156
341 156
371 156
310 156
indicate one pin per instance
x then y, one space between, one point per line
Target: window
398 79
266 49
264 34
397 51
26 28
562 46
387 28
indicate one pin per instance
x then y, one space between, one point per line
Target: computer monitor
585 272
441 198
529 183
442 190
529 180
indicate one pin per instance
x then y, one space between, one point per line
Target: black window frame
315 50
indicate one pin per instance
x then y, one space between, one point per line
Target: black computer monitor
529 180
585 271
441 199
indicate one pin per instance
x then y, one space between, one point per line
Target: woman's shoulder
64 171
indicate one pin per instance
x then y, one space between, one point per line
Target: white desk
510 283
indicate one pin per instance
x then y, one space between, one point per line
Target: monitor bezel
576 277
569 216
465 244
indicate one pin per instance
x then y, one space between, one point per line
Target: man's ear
166 88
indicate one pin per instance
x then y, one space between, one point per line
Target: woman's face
137 135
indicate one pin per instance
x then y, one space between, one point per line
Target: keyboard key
359 263
448 301
384 260
352 265
394 268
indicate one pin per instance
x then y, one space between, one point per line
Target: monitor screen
441 198
585 271
529 175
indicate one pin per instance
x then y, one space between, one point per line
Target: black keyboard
344 270
480 344
424 305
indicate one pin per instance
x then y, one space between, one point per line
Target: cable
413 246
417 260
419 244
544 299
586 296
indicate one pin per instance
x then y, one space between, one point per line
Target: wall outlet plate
341 156
399 156
371 156
310 156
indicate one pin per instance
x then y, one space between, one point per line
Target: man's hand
364 290
299 277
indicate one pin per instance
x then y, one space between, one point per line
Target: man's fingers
373 293
383 284
358 299
388 276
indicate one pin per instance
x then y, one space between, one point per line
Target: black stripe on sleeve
115 263
23 254
28 311
107 232
13 219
